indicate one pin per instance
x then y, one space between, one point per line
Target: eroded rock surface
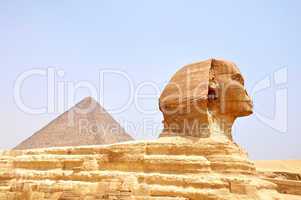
204 98
168 168
286 174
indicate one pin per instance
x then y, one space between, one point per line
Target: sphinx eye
238 78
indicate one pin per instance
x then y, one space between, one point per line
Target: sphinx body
185 163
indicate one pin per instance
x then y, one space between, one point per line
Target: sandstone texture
204 98
172 168
87 123
286 174
195 157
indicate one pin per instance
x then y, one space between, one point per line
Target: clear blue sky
150 40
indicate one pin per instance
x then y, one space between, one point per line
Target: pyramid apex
88 98
87 102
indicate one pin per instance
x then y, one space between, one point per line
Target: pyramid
87 123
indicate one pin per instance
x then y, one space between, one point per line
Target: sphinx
194 158
203 99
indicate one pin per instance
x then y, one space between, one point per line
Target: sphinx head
203 99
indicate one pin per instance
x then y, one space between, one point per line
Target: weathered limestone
168 168
204 98
286 174
185 163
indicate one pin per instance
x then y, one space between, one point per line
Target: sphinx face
213 84
227 91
